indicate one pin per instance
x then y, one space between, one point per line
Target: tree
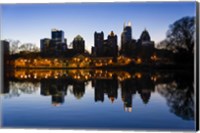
28 47
180 39
14 44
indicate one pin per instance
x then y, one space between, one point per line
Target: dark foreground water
100 99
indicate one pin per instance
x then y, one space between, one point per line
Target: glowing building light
138 75
138 61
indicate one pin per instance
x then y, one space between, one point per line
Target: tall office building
45 46
79 44
127 43
59 43
146 46
126 35
145 37
112 43
112 39
98 43
57 35
56 46
105 48
98 39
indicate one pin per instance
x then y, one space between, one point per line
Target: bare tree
180 39
28 47
14 45
181 34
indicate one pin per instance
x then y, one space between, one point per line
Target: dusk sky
32 22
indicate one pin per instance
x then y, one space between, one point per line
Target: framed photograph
111 66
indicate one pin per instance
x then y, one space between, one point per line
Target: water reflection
17 88
180 96
176 87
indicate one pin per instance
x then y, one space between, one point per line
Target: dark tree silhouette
180 96
180 39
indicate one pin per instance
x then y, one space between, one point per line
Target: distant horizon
29 23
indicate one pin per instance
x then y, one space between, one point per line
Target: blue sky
32 22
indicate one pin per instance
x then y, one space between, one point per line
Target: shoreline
125 67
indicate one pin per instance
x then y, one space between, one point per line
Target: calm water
100 99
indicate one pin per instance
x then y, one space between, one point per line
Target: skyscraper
79 44
57 35
126 34
98 39
56 46
98 43
127 43
147 47
59 43
112 43
45 46
105 48
145 37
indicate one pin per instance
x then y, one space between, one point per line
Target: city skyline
127 66
77 19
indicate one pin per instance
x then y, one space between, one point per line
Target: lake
99 99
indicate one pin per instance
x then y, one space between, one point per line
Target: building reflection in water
56 88
105 86
128 90
78 89
55 83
